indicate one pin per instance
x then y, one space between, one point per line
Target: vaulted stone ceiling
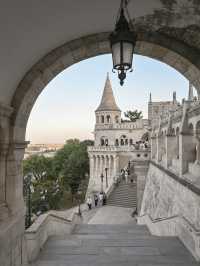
31 29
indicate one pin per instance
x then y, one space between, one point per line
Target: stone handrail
175 225
117 148
48 224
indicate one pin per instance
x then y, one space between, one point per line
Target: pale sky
65 108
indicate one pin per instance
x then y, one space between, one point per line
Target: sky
65 108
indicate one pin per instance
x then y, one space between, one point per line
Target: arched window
123 140
116 142
108 119
102 119
116 119
102 142
106 142
130 142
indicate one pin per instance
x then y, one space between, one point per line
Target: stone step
113 245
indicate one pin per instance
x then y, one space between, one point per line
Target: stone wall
167 196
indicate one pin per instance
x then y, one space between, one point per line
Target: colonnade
99 164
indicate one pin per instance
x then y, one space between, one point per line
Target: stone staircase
123 195
113 245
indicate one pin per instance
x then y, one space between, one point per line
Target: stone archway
155 45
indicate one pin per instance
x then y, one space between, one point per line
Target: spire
190 93
174 97
108 101
150 98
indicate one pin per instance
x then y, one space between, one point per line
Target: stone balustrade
140 124
113 148
49 224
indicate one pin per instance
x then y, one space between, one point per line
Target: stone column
187 151
92 167
3 205
110 168
14 178
14 249
158 150
116 166
197 149
170 146
153 147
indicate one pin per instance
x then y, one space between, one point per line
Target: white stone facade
114 143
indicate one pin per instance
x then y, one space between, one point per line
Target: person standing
101 198
104 198
89 203
96 200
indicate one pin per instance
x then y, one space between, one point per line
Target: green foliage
53 179
133 115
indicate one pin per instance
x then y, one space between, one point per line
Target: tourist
89 202
126 176
104 198
96 199
101 198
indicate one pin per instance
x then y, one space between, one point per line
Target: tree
133 115
75 165
55 180
46 187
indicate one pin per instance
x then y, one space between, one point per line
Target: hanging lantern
122 42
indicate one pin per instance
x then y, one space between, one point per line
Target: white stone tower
114 142
108 112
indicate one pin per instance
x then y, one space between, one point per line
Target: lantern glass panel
116 55
127 54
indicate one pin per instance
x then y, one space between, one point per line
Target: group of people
141 145
98 200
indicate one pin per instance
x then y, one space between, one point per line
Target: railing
124 125
49 224
175 225
117 148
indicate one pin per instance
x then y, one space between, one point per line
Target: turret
108 112
190 92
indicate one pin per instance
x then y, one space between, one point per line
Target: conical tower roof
108 101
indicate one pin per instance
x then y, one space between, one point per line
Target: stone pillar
110 168
153 147
92 167
14 179
158 150
97 167
13 251
186 151
4 212
170 144
116 166
197 149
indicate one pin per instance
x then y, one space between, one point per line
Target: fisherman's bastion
152 217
